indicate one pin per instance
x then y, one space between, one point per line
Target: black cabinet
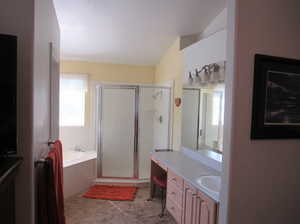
8 170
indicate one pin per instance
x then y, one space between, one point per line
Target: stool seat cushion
161 182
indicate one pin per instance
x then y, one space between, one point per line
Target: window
72 100
217 108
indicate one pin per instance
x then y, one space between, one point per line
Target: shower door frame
99 132
99 135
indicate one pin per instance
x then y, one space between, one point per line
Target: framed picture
276 98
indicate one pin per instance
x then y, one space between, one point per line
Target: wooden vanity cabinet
175 196
185 203
189 204
197 207
206 209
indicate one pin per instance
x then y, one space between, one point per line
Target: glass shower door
118 132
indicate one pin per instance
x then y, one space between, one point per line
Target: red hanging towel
55 159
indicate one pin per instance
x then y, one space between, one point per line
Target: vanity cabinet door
189 204
206 212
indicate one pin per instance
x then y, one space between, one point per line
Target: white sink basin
210 183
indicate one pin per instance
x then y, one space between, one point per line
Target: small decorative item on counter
178 102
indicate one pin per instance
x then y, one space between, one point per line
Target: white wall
206 51
261 178
29 21
16 18
82 137
46 32
218 24
211 47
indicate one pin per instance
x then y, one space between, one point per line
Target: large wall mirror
203 116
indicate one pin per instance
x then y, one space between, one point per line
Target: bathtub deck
81 210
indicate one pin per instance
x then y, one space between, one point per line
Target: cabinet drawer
174 194
174 210
175 179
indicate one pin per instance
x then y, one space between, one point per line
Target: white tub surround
72 157
187 168
79 171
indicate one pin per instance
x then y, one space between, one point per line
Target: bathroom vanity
192 188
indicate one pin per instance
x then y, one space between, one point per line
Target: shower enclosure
132 121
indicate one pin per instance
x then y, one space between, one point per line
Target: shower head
157 94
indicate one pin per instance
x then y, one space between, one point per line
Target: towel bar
51 142
40 161
163 150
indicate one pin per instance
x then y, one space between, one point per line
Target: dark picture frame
276 98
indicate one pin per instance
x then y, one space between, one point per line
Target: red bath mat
113 193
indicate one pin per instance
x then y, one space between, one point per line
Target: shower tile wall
154 114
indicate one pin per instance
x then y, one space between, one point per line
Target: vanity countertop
187 168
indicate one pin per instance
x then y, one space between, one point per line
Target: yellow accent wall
107 72
170 68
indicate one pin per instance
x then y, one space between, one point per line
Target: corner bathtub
73 157
79 171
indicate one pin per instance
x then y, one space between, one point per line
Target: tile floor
81 210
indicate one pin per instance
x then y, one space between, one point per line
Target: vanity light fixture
214 70
198 78
206 75
191 80
212 73
222 72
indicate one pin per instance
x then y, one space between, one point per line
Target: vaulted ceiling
129 31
